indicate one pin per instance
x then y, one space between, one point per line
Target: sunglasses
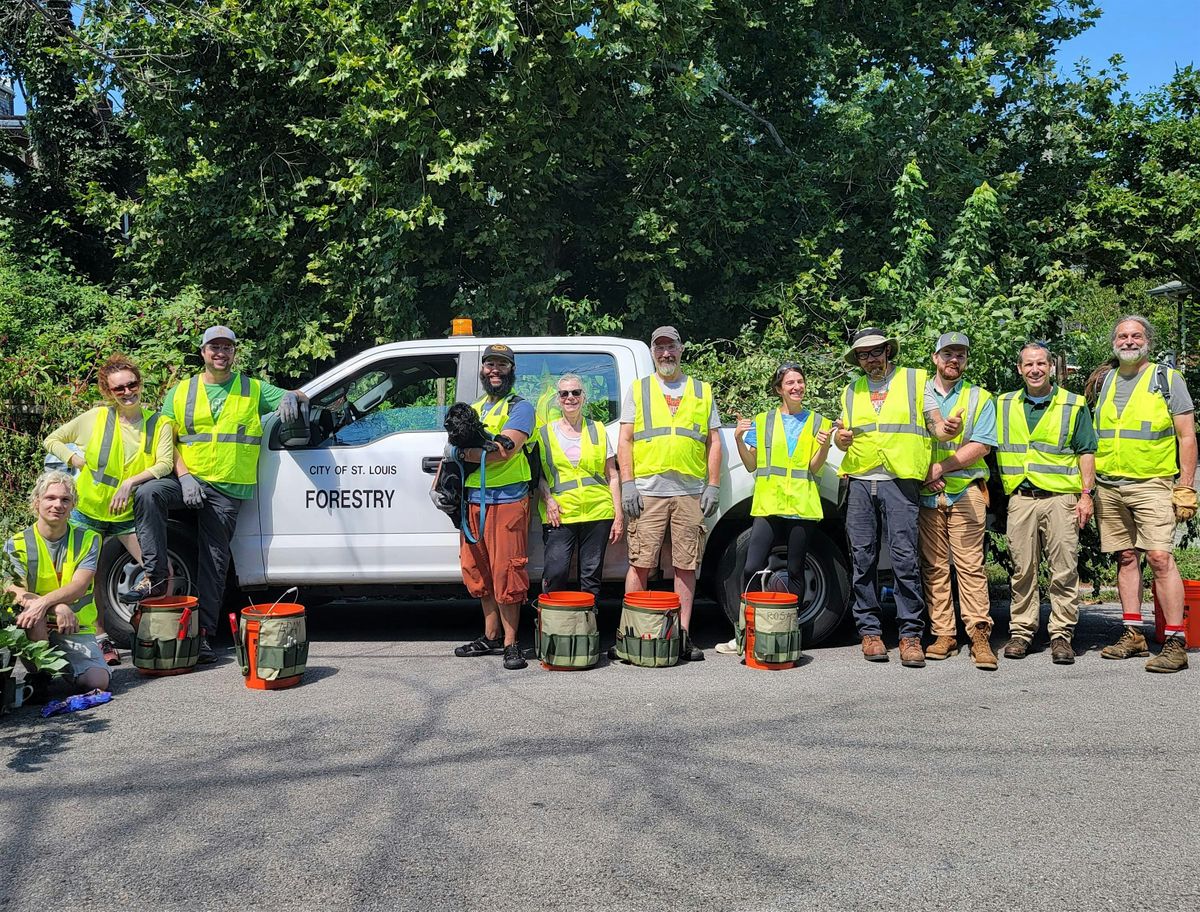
126 387
877 352
570 394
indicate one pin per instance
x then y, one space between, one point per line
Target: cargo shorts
679 516
498 564
1138 515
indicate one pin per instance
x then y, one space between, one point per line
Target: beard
505 387
1131 357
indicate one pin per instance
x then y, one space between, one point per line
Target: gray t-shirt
1179 402
58 553
668 484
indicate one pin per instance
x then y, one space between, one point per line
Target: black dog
464 430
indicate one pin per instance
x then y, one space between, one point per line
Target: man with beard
954 504
1147 435
882 431
494 567
669 456
1046 453
218 417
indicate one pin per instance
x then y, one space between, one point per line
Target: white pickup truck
347 513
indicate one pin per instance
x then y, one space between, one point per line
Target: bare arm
824 438
500 454
625 452
714 457
1185 432
1087 470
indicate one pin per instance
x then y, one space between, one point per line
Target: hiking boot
911 653
1061 651
1017 648
1131 644
206 655
513 659
981 649
689 651
942 648
109 651
479 647
1172 658
873 648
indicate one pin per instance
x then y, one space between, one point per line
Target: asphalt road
399 777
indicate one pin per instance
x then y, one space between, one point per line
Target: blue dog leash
466 526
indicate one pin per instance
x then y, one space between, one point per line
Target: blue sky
1154 36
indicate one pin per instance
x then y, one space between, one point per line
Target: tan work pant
956 532
1036 524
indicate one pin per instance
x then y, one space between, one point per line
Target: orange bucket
1191 616
573 641
166 635
653 601
765 600
254 620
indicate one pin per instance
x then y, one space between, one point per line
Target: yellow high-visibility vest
896 438
1043 455
40 576
783 484
663 442
224 449
511 470
960 479
106 467
1140 441
582 491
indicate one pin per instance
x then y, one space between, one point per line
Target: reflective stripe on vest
783 484
224 449
1140 441
582 492
905 451
1043 456
42 578
106 466
663 442
513 469
958 480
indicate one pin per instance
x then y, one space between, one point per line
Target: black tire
117 572
827 583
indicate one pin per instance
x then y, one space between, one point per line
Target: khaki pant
954 532
1036 524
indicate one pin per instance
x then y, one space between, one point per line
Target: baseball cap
498 350
952 338
218 332
669 331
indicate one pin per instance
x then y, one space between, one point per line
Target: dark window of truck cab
537 381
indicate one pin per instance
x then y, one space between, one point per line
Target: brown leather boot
873 649
1016 648
911 653
1172 658
942 648
981 649
1061 651
1131 644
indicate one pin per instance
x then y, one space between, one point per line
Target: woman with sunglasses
784 449
581 492
116 446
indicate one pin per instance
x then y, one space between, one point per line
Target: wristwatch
1089 491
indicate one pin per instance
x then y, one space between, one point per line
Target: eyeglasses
570 394
221 347
126 387
877 352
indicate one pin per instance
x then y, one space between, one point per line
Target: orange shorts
497 565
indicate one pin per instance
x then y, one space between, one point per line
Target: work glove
193 493
1183 499
708 500
631 500
289 407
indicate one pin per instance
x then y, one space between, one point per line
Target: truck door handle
429 464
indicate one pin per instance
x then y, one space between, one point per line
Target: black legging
765 531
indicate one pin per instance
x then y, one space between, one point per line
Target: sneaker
942 648
689 651
613 655
1131 644
479 647
911 654
109 651
727 649
981 649
873 649
1172 658
513 659
206 655
1061 651
1016 648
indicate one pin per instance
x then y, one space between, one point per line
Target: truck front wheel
117 572
826 583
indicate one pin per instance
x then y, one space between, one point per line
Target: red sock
1132 619
1174 631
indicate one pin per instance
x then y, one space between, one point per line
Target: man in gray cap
669 455
217 416
883 434
953 512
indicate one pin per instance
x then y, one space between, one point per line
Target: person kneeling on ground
53 564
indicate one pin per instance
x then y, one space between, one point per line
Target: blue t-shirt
984 430
521 417
792 426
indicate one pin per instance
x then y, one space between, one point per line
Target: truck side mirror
296 433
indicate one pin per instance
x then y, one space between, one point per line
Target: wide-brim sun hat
871 337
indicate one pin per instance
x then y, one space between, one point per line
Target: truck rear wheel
117 572
826 583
